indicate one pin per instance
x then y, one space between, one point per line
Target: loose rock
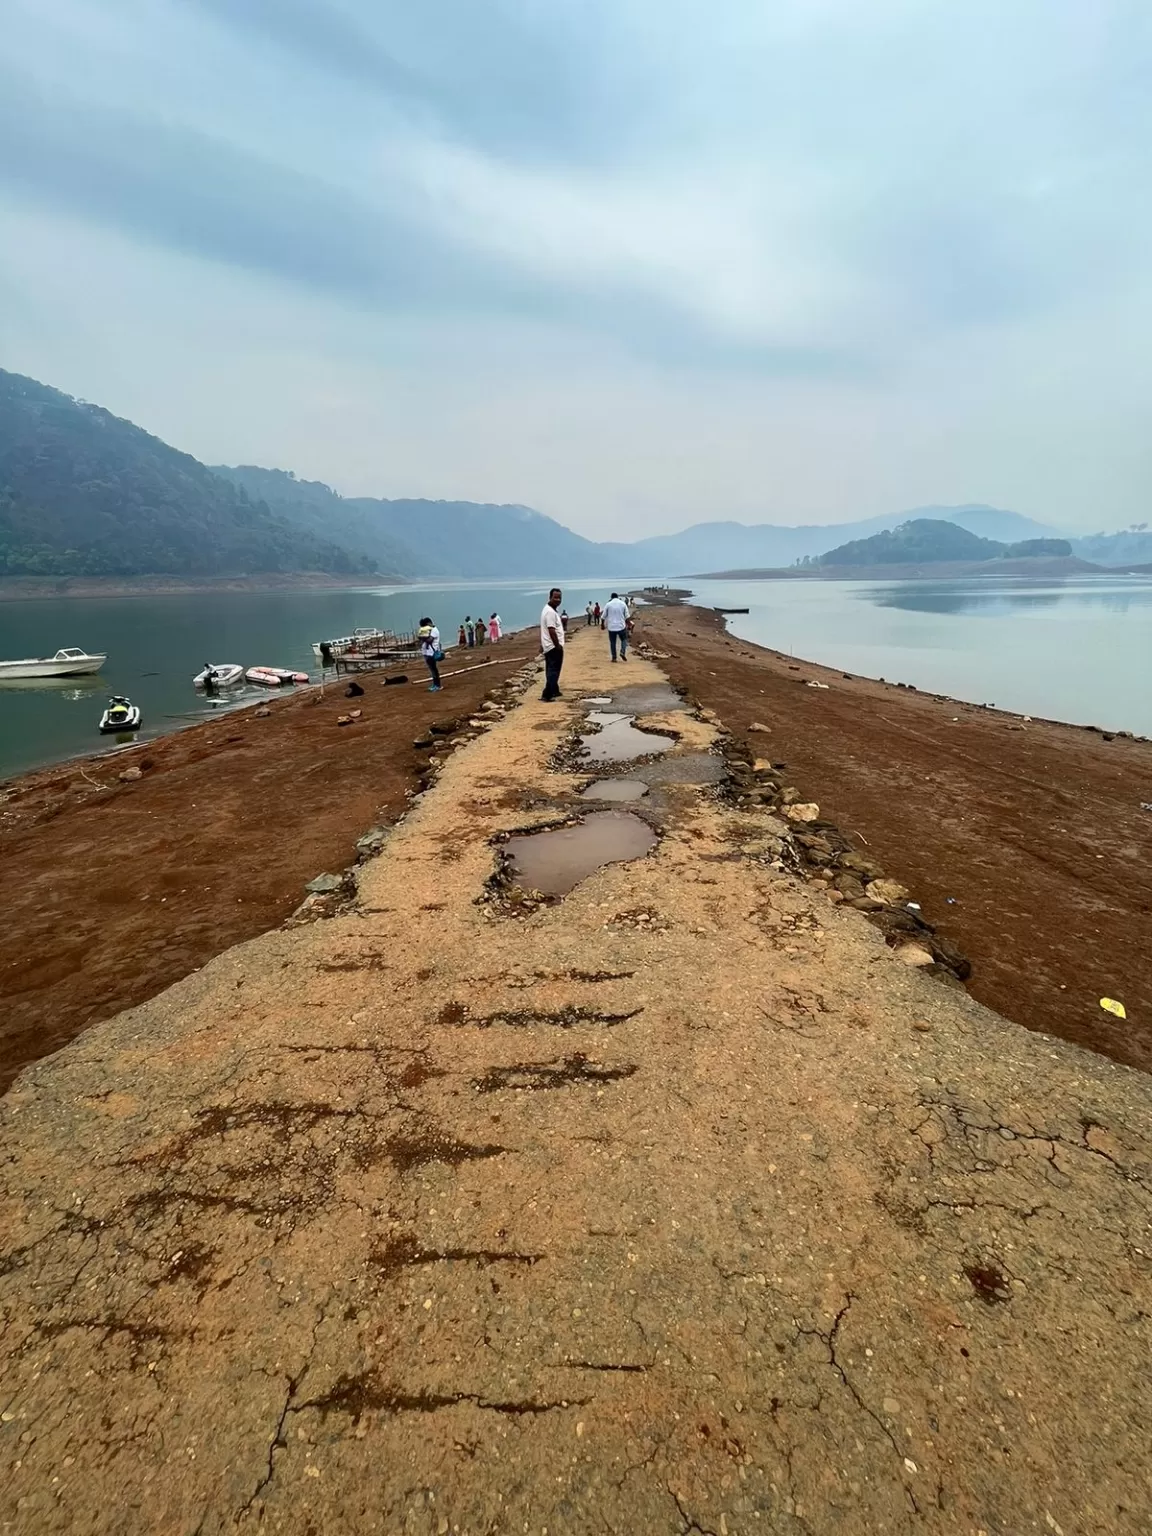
915 954
808 811
890 892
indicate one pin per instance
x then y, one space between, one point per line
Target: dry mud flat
676 1205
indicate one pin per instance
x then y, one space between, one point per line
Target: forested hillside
923 540
83 493
435 539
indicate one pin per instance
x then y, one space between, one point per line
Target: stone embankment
674 1204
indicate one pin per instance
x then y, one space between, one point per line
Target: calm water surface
1078 650
1075 650
156 644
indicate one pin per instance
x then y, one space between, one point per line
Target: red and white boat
275 677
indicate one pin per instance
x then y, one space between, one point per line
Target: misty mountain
430 540
1132 546
83 493
738 546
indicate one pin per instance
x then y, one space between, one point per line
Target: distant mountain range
85 493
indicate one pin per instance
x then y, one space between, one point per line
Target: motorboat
275 677
222 674
120 716
69 662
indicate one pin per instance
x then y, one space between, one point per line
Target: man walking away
429 637
616 621
552 644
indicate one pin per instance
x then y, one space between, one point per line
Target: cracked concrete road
678 1206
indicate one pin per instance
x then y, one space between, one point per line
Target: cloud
698 200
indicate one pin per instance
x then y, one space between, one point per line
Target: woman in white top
429 637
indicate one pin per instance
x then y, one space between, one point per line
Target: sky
637 263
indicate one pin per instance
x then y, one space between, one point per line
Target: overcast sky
638 263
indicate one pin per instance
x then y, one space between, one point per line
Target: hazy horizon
636 266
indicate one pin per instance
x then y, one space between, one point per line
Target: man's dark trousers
553 661
621 636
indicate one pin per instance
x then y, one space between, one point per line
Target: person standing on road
588 615
616 622
552 644
429 637
596 614
493 629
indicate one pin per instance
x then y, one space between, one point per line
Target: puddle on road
555 862
614 789
618 740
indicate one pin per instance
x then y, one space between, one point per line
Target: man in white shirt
552 644
616 623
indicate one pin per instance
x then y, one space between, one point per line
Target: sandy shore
680 1205
1024 841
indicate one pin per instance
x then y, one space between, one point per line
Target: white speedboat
225 674
70 662
120 716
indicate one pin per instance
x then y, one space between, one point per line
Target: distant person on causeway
616 623
552 644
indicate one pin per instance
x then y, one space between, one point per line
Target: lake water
1074 650
1078 650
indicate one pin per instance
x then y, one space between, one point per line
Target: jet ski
119 716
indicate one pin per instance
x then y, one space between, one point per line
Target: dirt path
678 1206
113 891
1034 830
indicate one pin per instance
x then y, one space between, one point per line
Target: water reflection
987 598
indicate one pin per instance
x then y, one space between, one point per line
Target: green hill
924 540
83 493
435 539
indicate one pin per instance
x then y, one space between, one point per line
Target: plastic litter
1146 805
1110 1005
913 906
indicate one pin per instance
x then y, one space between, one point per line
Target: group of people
480 631
472 632
615 617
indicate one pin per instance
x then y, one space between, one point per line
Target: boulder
130 775
325 885
763 729
851 888
790 795
860 865
262 713
889 892
915 954
802 812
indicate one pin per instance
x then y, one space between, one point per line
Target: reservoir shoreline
1025 844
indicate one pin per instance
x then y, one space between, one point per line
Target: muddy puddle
555 862
614 789
618 740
